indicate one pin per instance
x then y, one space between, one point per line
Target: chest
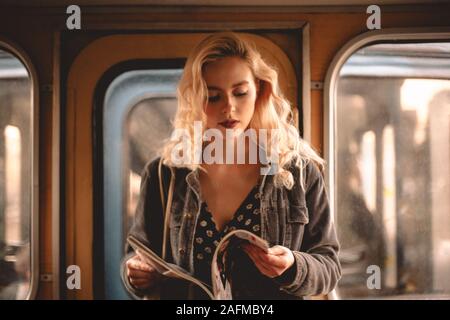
224 201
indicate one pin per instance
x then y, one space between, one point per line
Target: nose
228 105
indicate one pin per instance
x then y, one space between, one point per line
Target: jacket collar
193 181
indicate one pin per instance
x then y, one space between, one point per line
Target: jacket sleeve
317 265
148 222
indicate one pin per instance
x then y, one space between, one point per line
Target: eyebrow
234 85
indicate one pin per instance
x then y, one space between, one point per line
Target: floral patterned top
207 237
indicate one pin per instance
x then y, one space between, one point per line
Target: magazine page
252 238
221 266
163 267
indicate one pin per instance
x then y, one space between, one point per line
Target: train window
16 113
392 168
138 109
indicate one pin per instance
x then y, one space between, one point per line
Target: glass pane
138 110
148 124
15 178
393 171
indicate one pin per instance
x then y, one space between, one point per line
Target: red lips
229 123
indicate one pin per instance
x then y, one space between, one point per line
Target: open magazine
220 265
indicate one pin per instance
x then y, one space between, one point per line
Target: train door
120 97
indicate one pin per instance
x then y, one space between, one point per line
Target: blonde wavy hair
272 109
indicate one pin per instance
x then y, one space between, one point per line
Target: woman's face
232 92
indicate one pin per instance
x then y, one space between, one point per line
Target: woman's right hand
140 274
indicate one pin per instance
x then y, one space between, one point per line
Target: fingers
271 264
269 258
263 267
140 283
136 263
278 250
140 274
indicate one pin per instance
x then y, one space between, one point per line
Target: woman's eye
213 98
240 94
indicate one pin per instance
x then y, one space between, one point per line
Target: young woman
228 89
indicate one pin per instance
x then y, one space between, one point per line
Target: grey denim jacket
297 219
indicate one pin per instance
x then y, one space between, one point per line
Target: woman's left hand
273 263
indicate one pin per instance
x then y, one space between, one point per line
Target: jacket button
181 251
188 215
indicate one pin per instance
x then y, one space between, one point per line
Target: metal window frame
20 54
330 87
114 127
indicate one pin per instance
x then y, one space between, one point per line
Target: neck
230 152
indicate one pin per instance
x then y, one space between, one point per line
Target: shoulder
151 170
313 170
151 167
305 172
